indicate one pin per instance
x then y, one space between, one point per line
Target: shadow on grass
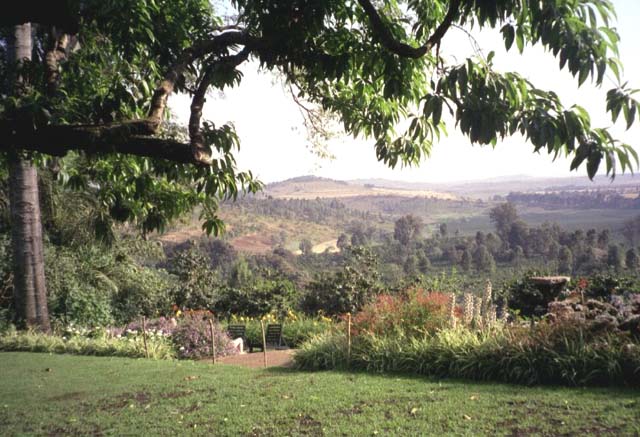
622 392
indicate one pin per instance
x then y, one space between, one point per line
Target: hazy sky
274 143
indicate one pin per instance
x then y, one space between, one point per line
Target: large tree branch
217 44
405 50
58 140
135 137
199 148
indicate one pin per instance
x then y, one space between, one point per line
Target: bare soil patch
275 358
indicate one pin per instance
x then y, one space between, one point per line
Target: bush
413 313
529 299
132 346
347 290
192 338
604 285
197 285
141 292
258 298
96 286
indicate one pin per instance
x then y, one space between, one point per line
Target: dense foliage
578 342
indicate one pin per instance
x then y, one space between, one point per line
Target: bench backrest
273 334
236 331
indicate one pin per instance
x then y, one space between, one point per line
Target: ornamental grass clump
128 345
545 354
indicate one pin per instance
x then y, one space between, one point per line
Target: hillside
320 210
487 188
312 187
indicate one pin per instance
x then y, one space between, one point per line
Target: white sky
273 140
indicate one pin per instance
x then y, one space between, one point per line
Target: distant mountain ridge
311 187
315 186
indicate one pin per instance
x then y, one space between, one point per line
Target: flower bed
574 345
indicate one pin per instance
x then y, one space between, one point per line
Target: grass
74 395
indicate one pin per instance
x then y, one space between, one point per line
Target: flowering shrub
414 313
160 326
192 338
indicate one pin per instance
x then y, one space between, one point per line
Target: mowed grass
71 395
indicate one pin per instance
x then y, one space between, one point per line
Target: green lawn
63 394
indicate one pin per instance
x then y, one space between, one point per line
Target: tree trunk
30 293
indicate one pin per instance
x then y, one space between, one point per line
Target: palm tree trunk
30 293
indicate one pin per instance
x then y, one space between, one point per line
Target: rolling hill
320 209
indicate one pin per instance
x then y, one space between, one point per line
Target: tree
465 261
30 293
553 251
519 234
631 259
306 247
359 234
348 289
343 242
503 216
614 257
592 236
565 260
423 263
410 265
631 230
197 283
518 256
102 103
603 238
407 229
483 260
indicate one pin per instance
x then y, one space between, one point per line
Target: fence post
213 342
264 343
348 339
144 336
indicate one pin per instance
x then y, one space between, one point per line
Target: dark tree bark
30 292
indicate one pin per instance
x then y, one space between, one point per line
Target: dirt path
279 358
330 244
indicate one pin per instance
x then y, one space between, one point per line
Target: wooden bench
237 331
273 337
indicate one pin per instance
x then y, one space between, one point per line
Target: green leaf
437 111
593 163
520 40
509 34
